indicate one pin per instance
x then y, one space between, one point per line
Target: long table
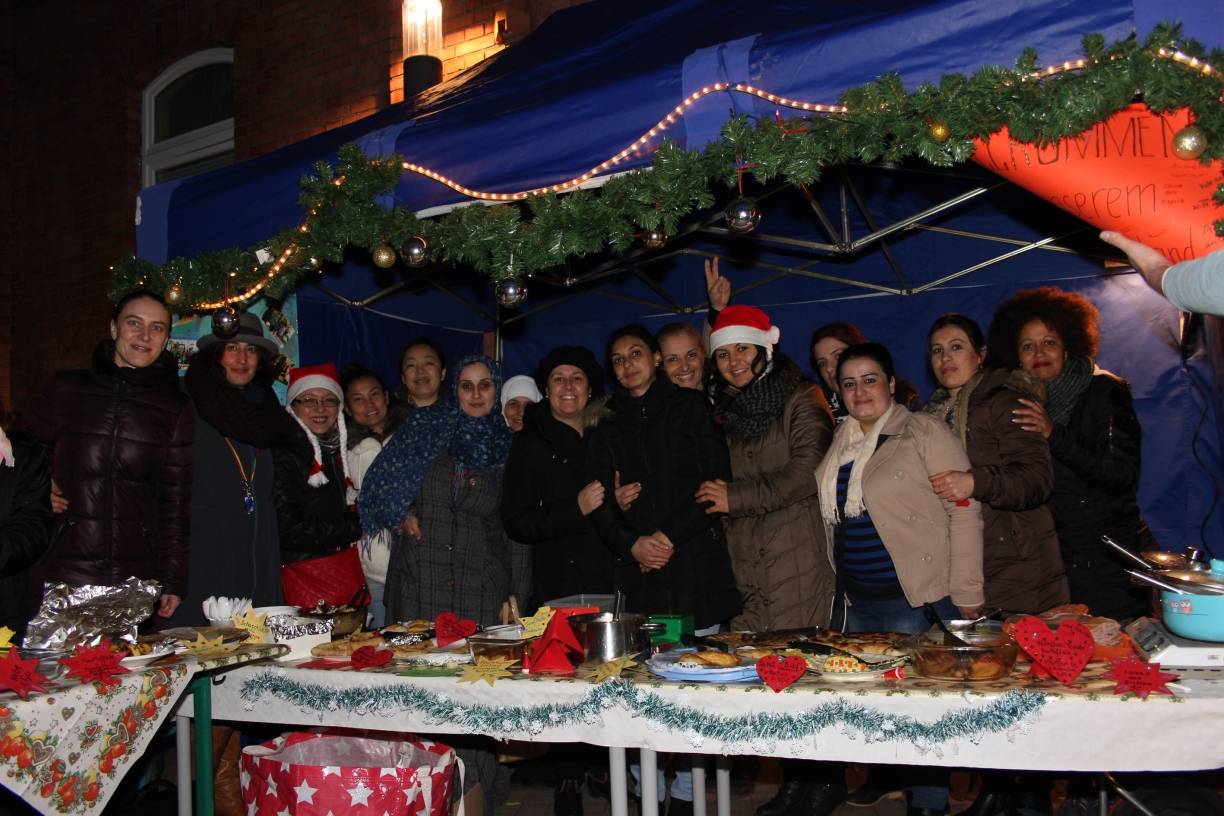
67 750
1019 723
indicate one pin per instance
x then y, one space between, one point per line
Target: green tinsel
1009 711
886 123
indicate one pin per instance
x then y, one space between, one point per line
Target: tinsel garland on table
884 123
1010 711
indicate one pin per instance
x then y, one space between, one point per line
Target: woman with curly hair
1094 437
1010 471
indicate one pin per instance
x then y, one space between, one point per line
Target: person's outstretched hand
1148 262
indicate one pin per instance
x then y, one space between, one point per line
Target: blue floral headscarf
394 479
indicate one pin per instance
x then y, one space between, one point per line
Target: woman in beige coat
897 545
778 428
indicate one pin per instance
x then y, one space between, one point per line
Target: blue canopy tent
886 248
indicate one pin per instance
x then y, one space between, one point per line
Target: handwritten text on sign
1122 175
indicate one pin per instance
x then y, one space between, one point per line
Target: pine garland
884 123
1012 710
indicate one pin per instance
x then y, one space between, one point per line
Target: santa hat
744 324
321 376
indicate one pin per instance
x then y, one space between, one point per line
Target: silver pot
605 637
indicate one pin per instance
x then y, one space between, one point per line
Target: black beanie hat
577 356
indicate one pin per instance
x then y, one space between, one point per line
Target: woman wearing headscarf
313 491
437 487
122 435
778 428
1010 472
1094 437
239 420
517 393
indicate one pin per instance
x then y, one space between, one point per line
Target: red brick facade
71 80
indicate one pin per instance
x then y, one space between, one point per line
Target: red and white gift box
330 772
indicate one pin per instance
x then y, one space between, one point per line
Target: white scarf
850 444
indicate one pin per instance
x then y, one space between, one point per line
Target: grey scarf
1064 392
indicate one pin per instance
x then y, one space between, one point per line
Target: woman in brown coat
778 428
1011 474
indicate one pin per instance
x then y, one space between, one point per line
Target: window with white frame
188 117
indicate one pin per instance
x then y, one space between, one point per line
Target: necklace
248 496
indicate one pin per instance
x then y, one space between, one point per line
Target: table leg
201 697
699 782
650 782
182 742
617 784
722 776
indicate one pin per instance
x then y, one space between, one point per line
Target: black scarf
749 412
251 414
1064 392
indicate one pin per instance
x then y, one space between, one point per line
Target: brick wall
71 80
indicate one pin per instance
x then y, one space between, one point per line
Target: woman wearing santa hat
312 487
778 428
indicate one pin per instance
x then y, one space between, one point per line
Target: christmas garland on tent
881 122
1011 710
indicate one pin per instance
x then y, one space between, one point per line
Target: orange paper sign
1121 175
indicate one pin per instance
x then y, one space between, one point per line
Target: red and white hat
744 324
321 376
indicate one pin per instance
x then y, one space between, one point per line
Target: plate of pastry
703 666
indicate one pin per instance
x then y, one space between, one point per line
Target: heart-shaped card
449 628
780 672
1063 653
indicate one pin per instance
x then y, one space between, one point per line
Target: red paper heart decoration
780 672
449 628
1063 653
368 656
1120 174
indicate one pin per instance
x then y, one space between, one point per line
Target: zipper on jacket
108 483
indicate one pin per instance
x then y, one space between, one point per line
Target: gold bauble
1189 143
939 131
174 294
384 256
654 238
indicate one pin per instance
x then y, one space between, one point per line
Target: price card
21 676
488 669
96 664
255 625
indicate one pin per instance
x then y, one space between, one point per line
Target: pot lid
1205 581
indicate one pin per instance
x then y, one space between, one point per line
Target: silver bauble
743 215
415 252
511 292
225 322
174 294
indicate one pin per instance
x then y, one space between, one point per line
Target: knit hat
744 324
302 380
576 356
517 386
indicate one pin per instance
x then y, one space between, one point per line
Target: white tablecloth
1018 725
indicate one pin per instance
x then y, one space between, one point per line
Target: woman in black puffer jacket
122 434
1094 437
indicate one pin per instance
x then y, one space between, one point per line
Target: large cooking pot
605 637
1196 615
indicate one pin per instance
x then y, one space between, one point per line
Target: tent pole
971 269
819 212
906 222
1013 241
871 225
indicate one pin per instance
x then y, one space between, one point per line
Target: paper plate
665 666
137 661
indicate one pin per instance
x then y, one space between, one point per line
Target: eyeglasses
330 403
